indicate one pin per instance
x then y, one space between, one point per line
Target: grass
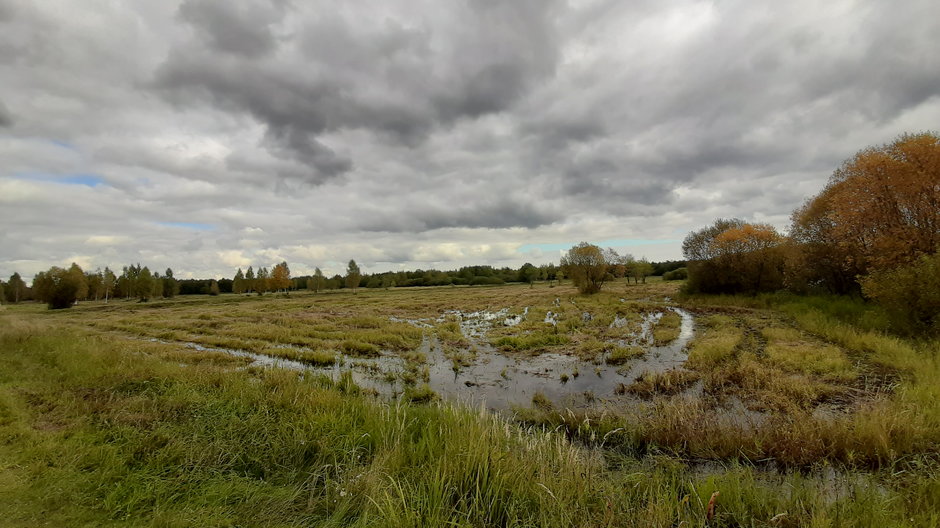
622 354
719 343
670 381
811 414
667 328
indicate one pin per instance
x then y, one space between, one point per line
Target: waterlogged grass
666 329
622 354
718 343
650 384
102 430
535 342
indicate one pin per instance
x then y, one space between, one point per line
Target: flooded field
498 380
631 350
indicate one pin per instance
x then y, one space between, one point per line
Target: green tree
250 280
528 274
640 270
108 281
171 286
144 285
94 280
16 288
157 282
317 282
58 287
213 287
352 275
77 276
586 266
238 283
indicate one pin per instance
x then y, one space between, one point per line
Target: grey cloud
470 61
239 27
406 131
494 213
6 118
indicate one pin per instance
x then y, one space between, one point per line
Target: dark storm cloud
335 73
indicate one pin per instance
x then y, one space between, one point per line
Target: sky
209 135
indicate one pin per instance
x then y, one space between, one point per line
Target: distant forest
138 282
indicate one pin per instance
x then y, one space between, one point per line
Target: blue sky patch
89 180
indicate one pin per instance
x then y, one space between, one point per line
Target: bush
676 274
909 294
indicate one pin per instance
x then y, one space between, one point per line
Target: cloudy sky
205 135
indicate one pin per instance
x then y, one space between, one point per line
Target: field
467 406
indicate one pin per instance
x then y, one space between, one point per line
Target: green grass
532 342
622 354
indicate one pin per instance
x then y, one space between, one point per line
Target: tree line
874 230
61 288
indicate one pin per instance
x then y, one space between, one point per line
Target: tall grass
104 432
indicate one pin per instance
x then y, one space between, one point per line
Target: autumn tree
280 277
732 256
213 287
586 266
353 275
16 288
815 258
262 281
880 210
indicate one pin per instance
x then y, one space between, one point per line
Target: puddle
417 323
502 380
551 318
368 373
497 380
475 325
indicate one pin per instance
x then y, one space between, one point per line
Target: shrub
909 294
676 274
